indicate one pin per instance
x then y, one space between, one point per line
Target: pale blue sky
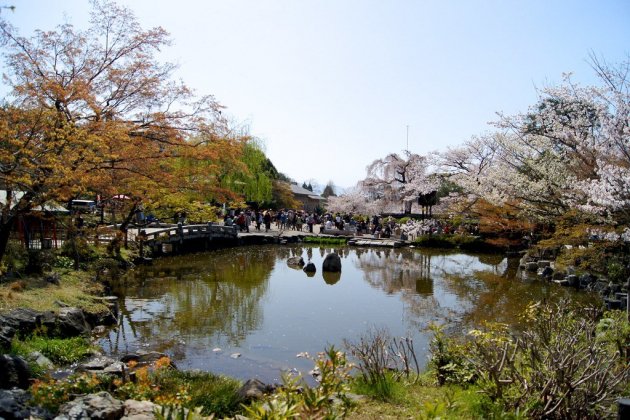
331 85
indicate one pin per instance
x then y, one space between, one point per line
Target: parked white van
83 206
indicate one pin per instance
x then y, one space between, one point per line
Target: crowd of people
300 220
282 219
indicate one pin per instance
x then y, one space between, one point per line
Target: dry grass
17 286
75 289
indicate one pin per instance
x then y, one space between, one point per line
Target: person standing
267 220
248 220
259 219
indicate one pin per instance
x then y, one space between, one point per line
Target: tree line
94 112
569 153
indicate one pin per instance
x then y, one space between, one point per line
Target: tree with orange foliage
95 111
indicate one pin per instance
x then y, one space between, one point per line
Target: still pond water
205 309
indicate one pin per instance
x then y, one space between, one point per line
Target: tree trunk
124 226
5 232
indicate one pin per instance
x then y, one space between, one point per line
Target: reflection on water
203 309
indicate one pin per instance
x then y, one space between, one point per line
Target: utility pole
407 139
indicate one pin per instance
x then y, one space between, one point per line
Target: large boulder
100 406
15 405
6 335
254 389
97 364
71 322
25 321
332 263
140 410
36 358
107 316
14 372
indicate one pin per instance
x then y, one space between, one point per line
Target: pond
245 313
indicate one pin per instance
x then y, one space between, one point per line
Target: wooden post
142 235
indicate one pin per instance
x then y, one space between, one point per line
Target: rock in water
332 263
310 268
295 261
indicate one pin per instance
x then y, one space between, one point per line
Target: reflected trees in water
248 300
225 301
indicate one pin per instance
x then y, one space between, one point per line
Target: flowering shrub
189 393
295 399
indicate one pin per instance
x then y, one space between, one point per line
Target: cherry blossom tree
608 192
570 150
351 201
394 181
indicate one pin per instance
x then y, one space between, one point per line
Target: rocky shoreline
543 266
16 400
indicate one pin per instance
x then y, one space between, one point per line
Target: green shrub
180 413
295 399
15 257
79 250
556 368
62 261
383 362
618 271
448 360
106 268
39 260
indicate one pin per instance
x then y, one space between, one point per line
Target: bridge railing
191 230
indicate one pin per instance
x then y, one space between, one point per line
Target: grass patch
76 288
423 400
60 351
325 240
215 394
385 389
